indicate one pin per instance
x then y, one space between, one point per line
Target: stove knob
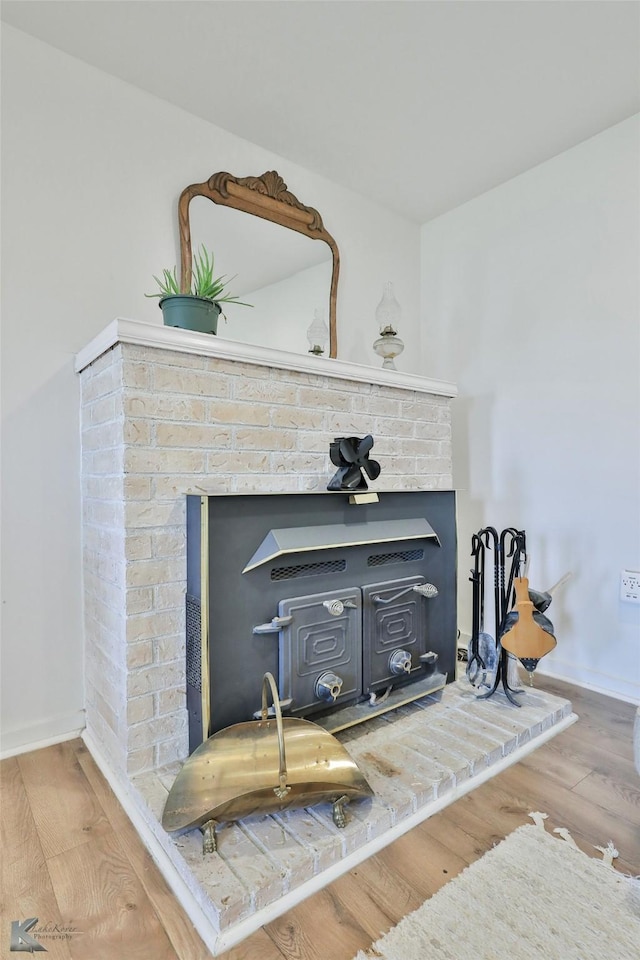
400 662
335 607
328 687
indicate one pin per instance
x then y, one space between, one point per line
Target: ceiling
417 105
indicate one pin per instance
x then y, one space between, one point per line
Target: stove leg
338 811
209 837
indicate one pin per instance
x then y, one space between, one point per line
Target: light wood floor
70 855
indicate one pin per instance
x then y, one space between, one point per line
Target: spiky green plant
203 282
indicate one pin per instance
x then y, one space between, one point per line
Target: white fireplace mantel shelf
122 330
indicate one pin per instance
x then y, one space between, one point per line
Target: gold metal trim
205 679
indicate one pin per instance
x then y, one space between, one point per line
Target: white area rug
533 897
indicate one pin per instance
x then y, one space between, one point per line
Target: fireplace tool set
521 627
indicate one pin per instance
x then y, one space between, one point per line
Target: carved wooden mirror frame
267 197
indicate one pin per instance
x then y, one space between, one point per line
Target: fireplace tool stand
510 545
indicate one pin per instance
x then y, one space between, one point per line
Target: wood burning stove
351 605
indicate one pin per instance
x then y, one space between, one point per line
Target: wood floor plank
591 822
259 946
452 836
620 799
25 887
557 765
319 928
64 806
95 883
185 940
386 887
424 863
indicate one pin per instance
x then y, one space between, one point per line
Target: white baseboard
219 941
590 680
43 734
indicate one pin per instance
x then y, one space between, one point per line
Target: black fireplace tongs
475 663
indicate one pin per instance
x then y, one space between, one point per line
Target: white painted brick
175 748
191 435
375 406
170 701
254 483
432 431
169 542
136 487
148 573
104 361
388 427
139 654
297 419
258 873
142 708
138 546
102 410
160 728
157 407
265 439
238 461
314 442
326 399
152 513
104 462
199 383
140 760
230 411
136 375
154 678
168 649
155 460
169 596
102 383
145 626
102 436
297 376
151 355
264 391
139 600
349 423
137 432
282 847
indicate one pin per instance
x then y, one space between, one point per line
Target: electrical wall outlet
630 586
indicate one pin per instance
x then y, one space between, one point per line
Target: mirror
284 273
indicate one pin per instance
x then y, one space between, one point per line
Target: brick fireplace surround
165 412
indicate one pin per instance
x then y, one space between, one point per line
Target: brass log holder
259 767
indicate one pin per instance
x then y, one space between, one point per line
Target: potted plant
200 308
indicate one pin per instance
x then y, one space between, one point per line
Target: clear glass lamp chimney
317 334
388 313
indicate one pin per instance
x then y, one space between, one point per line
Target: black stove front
352 606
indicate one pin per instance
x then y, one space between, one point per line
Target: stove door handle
274 626
337 607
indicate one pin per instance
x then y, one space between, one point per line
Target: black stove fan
351 456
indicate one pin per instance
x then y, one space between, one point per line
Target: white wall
91 172
530 302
